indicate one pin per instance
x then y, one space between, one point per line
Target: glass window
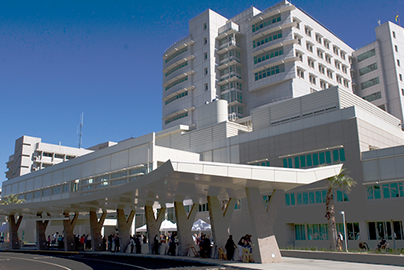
394 190
290 165
370 192
315 159
318 197
285 163
342 154
300 233
28 196
398 229
370 83
322 158
302 161
324 193
367 69
292 198
353 231
297 162
335 155
311 197
309 161
305 198
328 157
366 55
386 191
287 199
299 198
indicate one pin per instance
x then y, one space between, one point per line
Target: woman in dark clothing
230 247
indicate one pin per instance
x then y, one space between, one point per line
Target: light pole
346 239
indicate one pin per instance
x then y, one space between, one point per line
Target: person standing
230 247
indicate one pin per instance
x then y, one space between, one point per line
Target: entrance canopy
179 180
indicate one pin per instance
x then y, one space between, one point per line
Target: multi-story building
378 70
31 154
250 60
272 65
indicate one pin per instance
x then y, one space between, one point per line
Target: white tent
166 226
200 226
142 229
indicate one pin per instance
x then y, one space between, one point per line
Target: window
205 56
290 199
323 84
310 62
312 79
402 92
269 72
320 53
366 55
309 46
342 54
327 43
176 68
346 83
318 38
335 49
297 22
317 232
401 77
370 83
300 232
307 30
300 73
268 55
205 41
337 64
321 68
205 26
394 34
206 87
367 69
342 196
176 54
385 229
206 71
267 38
339 79
168 101
329 73
266 22
299 39
175 83
344 69
396 48
176 118
328 58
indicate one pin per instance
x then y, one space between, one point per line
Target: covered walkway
173 182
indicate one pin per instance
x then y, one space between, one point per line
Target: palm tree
10 199
345 182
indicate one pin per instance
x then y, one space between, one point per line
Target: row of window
391 190
324 41
372 97
226 39
370 83
385 230
231 85
176 68
268 55
183 94
233 96
312 197
176 82
266 22
229 70
367 69
230 76
235 109
229 54
168 121
366 55
316 159
269 72
320 231
176 54
267 38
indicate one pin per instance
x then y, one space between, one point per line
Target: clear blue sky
104 58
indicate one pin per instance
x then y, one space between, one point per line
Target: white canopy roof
179 180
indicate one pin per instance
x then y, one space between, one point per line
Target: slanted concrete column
41 243
124 228
96 226
220 220
265 248
184 225
153 224
68 228
13 228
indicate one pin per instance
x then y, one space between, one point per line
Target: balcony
228 29
230 62
228 46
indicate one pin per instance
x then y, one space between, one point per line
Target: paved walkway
288 262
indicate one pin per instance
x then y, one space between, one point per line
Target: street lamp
346 239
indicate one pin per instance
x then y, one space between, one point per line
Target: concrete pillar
13 228
184 225
153 224
96 225
124 227
68 228
41 243
265 248
220 221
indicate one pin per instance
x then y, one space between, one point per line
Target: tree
342 181
10 199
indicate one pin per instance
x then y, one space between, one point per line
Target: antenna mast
81 128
